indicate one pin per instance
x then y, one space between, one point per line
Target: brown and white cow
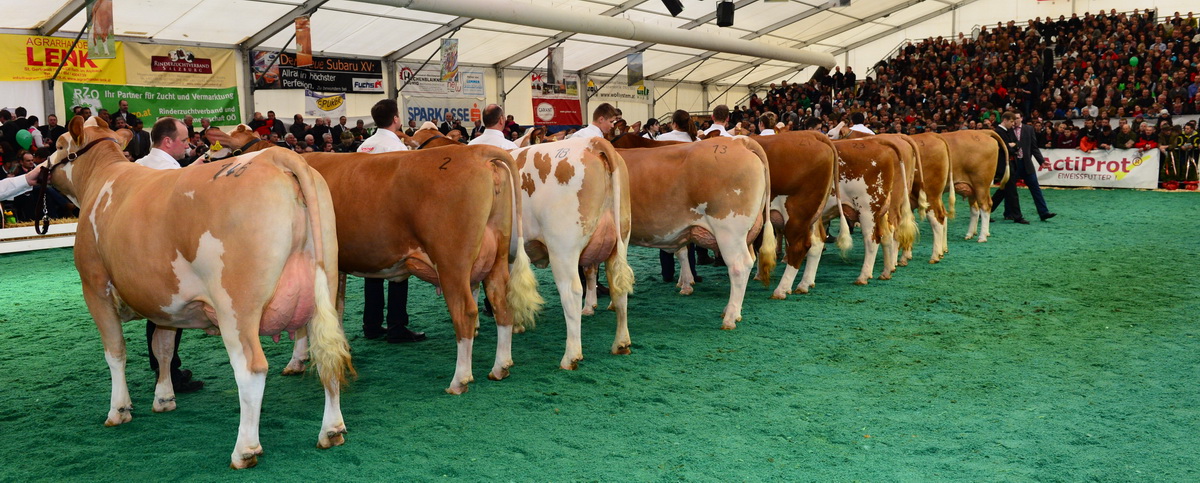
872 192
973 158
898 250
575 200
449 216
803 169
934 176
715 193
245 247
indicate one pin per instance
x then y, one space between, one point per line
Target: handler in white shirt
385 139
493 134
19 185
602 123
765 124
170 138
720 116
683 130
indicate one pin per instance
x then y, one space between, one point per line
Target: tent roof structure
368 30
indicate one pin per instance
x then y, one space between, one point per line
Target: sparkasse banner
1119 168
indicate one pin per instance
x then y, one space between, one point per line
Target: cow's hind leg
589 295
163 343
686 277
497 286
870 246
250 371
812 257
299 353
465 315
570 291
739 261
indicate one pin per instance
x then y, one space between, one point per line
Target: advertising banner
634 70
33 57
427 82
178 66
151 103
100 41
317 104
1119 168
556 103
273 70
449 60
304 57
434 109
614 92
554 64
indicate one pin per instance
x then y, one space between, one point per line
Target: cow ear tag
216 147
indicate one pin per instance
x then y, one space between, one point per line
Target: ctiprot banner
427 82
151 103
162 65
100 41
304 57
317 104
1119 168
274 70
34 58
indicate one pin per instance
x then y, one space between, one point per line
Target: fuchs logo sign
368 85
180 61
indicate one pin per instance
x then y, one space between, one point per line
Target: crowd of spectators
1097 81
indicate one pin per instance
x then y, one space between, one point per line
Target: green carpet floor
1060 351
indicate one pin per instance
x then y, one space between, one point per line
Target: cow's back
800 161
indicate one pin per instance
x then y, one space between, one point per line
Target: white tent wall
688 97
730 98
24 94
519 103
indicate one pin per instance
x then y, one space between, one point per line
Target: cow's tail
327 341
908 231
524 301
620 274
844 241
766 252
949 178
1003 151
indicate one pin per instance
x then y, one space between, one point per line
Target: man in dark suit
1025 169
52 130
139 145
1008 193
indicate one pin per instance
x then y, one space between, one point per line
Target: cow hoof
457 390
248 459
293 368
982 240
621 350
518 329
779 295
332 437
728 325
860 282
885 276
902 263
612 307
686 290
588 310
162 405
571 366
119 416
498 374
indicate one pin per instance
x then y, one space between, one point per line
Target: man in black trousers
1008 193
1023 168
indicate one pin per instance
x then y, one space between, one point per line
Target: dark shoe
704 258
184 375
601 290
718 262
830 239
668 280
182 387
1010 218
374 332
1021 221
405 335
1048 216
697 278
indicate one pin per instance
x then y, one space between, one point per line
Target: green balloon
24 139
1133 61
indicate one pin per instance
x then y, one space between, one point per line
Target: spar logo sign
368 85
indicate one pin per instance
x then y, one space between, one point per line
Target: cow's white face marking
201 276
105 197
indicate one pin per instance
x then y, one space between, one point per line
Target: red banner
557 112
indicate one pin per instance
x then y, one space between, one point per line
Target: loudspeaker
725 14
673 6
843 3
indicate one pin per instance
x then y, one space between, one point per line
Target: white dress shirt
767 132
588 132
383 141
493 137
158 159
14 186
863 129
716 127
676 136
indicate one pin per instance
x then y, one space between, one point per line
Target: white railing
24 239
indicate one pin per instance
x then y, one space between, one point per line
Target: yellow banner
178 66
33 58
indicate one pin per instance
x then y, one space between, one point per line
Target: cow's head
239 141
71 146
